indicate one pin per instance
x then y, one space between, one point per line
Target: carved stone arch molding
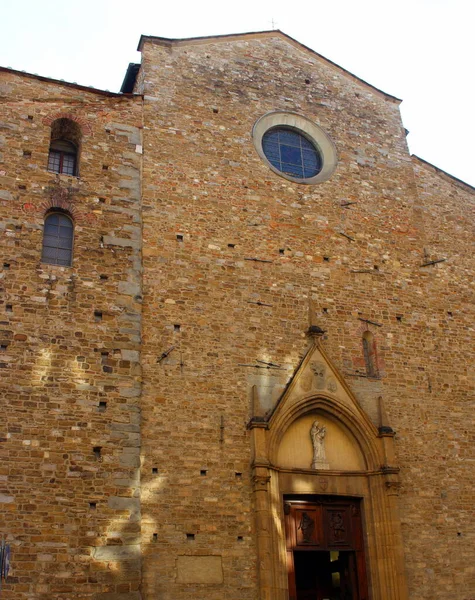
282 476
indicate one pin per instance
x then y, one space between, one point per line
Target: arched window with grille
64 147
62 157
369 351
58 240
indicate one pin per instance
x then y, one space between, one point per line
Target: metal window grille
4 561
62 157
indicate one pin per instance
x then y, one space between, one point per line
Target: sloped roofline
61 82
169 42
442 173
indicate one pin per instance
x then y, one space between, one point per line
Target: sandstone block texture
71 375
129 378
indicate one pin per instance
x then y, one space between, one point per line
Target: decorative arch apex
318 387
283 450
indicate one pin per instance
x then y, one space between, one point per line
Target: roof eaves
60 82
345 71
204 38
443 173
169 42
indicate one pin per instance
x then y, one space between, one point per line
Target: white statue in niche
317 433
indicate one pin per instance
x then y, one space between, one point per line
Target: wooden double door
325 551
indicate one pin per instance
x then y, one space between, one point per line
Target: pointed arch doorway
353 550
325 549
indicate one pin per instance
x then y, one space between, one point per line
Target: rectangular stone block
110 240
199 569
116 553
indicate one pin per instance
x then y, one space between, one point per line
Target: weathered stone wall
70 354
435 427
238 261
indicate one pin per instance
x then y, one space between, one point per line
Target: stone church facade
226 375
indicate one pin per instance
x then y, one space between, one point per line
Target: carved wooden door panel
330 527
338 527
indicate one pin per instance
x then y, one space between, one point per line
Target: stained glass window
58 240
291 153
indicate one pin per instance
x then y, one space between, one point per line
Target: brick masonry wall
72 518
203 181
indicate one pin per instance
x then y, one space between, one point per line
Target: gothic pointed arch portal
325 490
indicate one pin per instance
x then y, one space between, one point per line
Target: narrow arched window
369 350
58 240
64 147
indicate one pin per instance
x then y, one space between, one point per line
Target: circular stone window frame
308 129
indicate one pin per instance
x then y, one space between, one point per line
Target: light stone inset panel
199 569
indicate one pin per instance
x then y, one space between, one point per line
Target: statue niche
317 434
328 445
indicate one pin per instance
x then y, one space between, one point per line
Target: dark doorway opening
325 549
325 575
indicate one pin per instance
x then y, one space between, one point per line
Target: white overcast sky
419 50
